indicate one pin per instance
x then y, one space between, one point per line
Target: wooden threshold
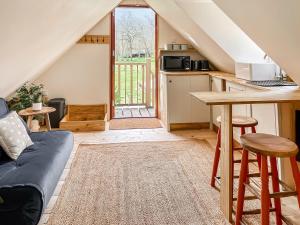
188 126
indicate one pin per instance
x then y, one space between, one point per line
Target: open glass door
134 77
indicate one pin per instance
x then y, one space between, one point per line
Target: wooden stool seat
241 121
269 145
238 122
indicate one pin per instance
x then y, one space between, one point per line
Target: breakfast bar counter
226 100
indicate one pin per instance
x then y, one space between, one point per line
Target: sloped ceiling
218 26
177 18
35 33
273 25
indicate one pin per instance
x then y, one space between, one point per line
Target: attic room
149 112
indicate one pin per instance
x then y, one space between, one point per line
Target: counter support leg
226 162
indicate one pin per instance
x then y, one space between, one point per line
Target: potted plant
29 95
36 92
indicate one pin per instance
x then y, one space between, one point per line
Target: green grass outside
137 78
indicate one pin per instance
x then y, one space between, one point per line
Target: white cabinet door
163 100
199 111
216 85
266 115
179 101
238 110
267 118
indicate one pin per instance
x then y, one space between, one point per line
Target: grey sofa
27 184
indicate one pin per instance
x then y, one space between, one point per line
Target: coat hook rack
94 39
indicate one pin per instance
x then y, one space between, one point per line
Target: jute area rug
134 123
153 183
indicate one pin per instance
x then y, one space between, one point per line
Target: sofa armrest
21 205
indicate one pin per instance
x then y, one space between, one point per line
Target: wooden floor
134 112
290 206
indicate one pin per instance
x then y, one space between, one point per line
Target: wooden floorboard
136 112
144 112
127 113
119 113
151 112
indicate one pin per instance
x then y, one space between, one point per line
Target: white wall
36 33
179 20
209 17
82 74
167 34
273 25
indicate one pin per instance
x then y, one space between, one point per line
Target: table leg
29 120
48 124
226 162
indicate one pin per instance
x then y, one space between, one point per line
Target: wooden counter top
225 76
248 97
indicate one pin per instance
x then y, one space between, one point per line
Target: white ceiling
273 25
36 33
180 21
220 28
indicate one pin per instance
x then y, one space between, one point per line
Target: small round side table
30 113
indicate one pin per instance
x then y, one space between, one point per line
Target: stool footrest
239 160
257 174
256 192
247 198
251 175
283 194
256 211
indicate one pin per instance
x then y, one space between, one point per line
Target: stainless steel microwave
175 63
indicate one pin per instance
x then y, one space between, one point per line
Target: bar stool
237 121
272 147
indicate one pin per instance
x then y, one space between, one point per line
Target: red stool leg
241 191
296 176
275 184
258 157
243 131
265 195
216 159
253 129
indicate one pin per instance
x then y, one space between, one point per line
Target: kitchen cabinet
177 106
266 115
238 110
216 85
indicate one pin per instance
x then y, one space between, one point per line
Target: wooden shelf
176 51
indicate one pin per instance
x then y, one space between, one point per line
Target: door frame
112 58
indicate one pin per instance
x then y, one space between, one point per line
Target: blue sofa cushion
3 111
3 107
37 170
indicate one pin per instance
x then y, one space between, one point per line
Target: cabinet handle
170 81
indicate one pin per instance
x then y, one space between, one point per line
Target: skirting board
187 126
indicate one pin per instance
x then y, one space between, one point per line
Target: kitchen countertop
248 97
225 76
